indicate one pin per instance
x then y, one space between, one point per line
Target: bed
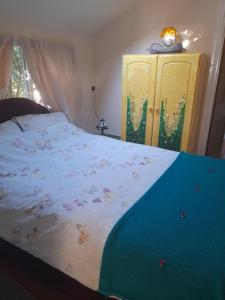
70 204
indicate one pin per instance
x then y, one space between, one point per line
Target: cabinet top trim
167 54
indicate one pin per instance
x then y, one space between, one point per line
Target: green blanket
171 244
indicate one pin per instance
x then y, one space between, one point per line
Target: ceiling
68 16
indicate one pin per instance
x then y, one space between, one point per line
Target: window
21 83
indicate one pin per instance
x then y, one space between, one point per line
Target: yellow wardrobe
159 100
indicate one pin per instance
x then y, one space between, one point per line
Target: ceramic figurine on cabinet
169 43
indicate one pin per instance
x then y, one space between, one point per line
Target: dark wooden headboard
15 107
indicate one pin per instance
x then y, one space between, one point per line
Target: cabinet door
175 100
139 75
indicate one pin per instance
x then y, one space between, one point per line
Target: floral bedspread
62 190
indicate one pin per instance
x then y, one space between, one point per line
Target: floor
10 290
223 150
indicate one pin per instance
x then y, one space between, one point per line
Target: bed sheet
62 190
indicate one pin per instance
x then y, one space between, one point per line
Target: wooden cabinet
139 79
159 99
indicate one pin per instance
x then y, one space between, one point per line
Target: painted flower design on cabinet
136 119
171 125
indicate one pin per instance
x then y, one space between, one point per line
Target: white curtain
53 69
6 56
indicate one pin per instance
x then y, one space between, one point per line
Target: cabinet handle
157 110
151 110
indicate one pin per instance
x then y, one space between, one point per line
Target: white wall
196 20
84 48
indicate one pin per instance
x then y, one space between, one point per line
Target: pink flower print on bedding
69 206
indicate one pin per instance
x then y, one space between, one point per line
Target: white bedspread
62 190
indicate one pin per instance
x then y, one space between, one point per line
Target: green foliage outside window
21 83
17 83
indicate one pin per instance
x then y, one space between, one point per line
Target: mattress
62 190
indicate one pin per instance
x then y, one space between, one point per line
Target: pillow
9 127
35 122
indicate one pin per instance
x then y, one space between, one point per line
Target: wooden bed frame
38 278
15 107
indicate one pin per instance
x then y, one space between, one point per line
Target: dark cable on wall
94 102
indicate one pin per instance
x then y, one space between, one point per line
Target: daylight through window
21 83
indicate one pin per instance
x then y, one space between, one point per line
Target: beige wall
99 56
85 58
196 20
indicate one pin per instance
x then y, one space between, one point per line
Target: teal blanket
171 244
